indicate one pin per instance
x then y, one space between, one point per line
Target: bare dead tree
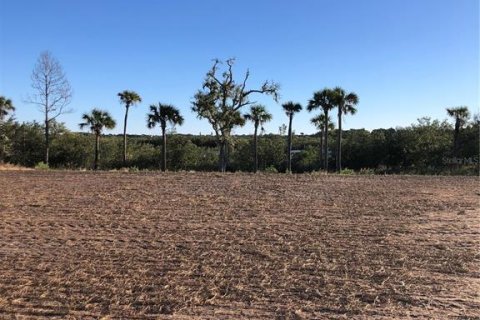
52 92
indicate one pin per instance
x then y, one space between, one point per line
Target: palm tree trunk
321 148
455 138
325 147
339 141
289 155
125 137
3 136
255 151
97 147
164 149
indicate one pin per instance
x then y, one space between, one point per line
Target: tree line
428 146
422 148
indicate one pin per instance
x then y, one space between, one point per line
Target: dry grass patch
10 167
228 246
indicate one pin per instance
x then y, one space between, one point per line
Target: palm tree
319 122
290 109
97 120
258 115
162 114
6 106
345 102
323 100
461 115
128 98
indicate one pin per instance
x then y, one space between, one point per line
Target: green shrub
464 170
367 171
347 171
271 169
42 166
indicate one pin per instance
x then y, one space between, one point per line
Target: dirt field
79 245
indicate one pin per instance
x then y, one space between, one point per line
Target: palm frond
291 107
162 114
323 99
258 114
460 113
6 106
97 120
129 98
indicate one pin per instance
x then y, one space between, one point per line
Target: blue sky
405 59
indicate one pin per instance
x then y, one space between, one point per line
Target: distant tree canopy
423 147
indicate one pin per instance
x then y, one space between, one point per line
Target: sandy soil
10 167
83 245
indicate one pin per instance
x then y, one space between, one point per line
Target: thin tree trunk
125 137
97 147
339 141
321 148
4 150
325 147
4 145
24 140
47 124
255 151
289 155
455 138
47 140
164 149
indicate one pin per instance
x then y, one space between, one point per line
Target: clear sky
404 58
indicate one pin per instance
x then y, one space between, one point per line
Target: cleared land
79 245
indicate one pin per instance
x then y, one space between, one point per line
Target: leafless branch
52 89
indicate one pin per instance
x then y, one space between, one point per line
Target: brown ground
9 167
80 245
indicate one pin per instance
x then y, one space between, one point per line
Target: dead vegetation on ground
82 245
10 167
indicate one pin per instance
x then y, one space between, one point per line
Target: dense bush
424 148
